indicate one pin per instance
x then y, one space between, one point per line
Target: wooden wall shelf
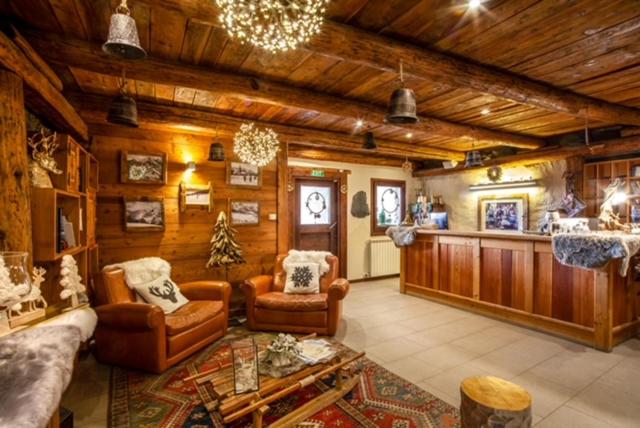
598 175
74 193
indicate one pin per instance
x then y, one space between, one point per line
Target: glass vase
244 355
15 278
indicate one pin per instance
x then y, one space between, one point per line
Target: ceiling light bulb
485 111
359 123
474 4
409 135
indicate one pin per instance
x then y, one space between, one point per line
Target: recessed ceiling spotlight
485 111
474 4
359 123
409 135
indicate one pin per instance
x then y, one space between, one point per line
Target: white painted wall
462 205
359 229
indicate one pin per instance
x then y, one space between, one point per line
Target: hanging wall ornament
316 204
123 38
494 174
359 205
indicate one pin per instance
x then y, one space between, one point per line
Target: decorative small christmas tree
9 292
71 280
225 250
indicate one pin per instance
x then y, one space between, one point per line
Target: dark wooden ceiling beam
384 53
604 148
87 56
190 120
340 156
41 95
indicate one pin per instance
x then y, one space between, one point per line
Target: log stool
491 402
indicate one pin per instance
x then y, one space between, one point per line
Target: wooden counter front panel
455 273
503 277
418 262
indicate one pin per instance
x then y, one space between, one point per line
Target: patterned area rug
381 399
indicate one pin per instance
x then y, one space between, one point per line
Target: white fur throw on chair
143 270
319 257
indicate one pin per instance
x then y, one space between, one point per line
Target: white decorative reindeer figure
33 306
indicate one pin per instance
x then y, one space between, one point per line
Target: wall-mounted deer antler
43 147
168 292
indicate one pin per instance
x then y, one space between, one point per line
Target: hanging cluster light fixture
275 25
254 146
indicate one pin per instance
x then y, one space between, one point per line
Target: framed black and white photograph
196 195
144 215
143 168
242 174
245 213
503 213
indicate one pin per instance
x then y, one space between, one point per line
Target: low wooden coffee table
216 390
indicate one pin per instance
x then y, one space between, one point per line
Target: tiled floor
436 346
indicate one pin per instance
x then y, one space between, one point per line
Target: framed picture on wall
143 168
503 213
388 203
144 215
242 174
245 213
196 195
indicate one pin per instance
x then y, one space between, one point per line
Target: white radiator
384 258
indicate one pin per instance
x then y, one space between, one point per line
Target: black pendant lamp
216 150
369 141
123 110
402 106
123 40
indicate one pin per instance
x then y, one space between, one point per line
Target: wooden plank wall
185 240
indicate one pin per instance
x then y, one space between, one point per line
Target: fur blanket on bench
402 236
595 250
35 369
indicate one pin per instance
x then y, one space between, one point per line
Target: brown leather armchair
269 308
140 335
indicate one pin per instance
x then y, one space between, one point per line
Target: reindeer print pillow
162 292
302 278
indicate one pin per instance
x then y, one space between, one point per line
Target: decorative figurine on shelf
72 287
15 285
43 147
33 306
571 203
614 195
225 250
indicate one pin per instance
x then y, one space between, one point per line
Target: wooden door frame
340 176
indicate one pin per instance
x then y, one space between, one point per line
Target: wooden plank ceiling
589 47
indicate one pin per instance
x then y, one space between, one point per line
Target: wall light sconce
505 185
191 166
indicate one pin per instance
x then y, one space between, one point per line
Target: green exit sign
317 173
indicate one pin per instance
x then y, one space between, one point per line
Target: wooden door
316 215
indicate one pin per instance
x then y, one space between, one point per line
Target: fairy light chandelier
254 146
275 25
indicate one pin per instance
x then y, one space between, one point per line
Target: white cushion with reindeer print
302 278
162 292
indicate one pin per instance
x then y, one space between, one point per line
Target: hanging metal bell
123 38
402 107
473 158
123 111
369 141
216 152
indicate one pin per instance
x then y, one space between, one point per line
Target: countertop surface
517 236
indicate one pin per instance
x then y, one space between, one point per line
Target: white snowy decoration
10 293
71 280
33 305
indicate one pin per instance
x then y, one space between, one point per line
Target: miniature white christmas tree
225 250
10 293
71 280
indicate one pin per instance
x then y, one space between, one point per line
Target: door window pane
315 205
388 204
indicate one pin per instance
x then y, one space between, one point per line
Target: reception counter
515 277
